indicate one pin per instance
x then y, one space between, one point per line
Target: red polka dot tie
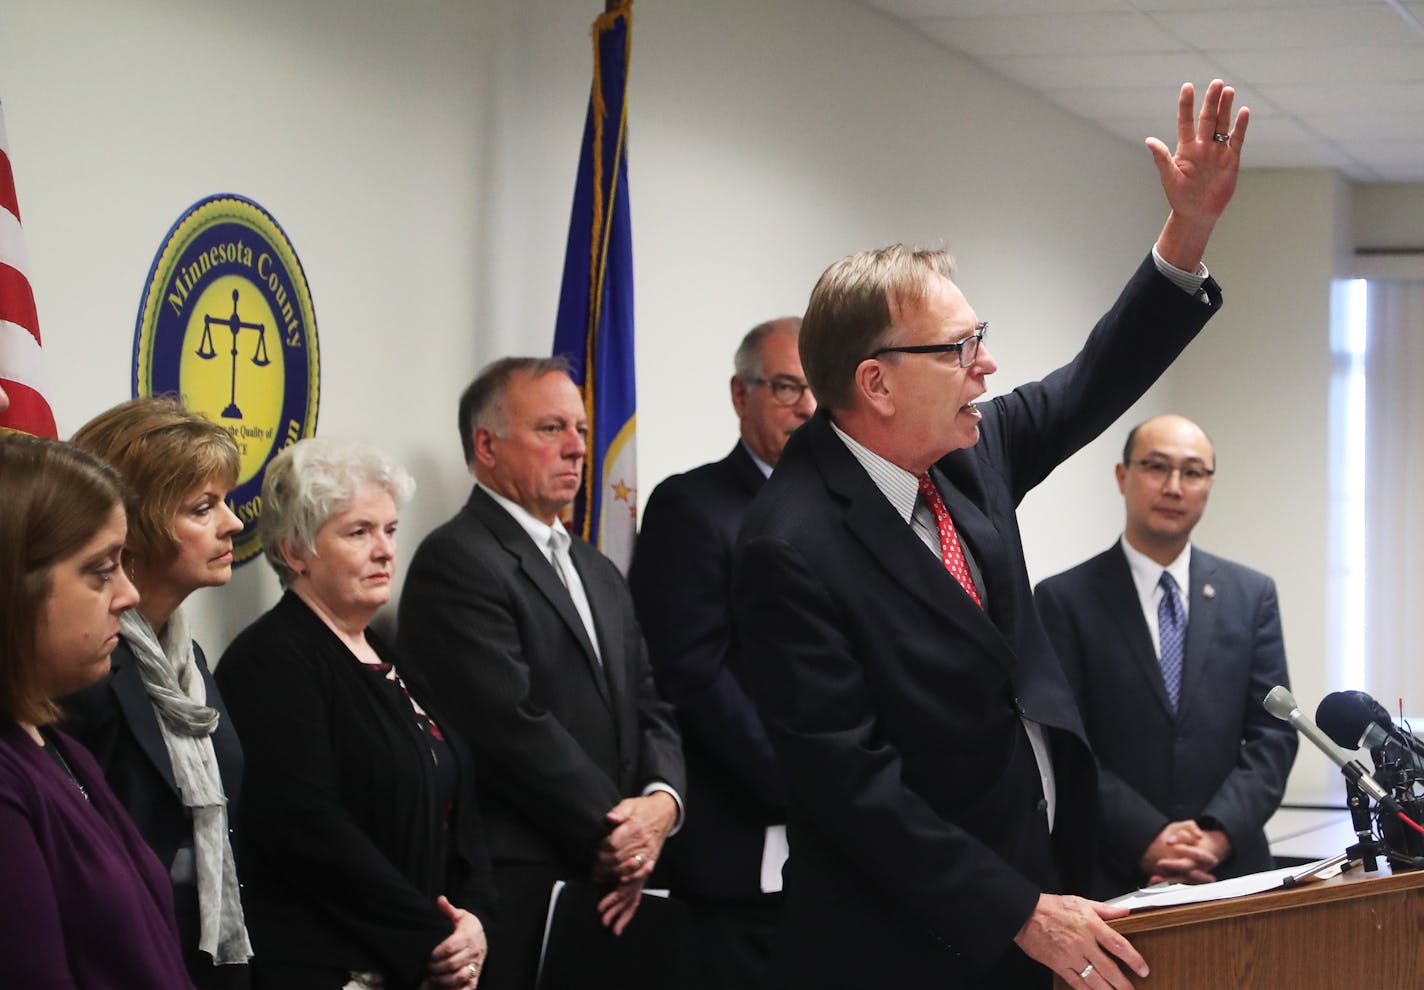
950 551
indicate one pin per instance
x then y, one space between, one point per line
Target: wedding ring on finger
638 859
1223 138
1087 971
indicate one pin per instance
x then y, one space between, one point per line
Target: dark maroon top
86 903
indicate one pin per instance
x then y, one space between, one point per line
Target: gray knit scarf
186 722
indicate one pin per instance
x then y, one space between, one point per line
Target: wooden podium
1354 930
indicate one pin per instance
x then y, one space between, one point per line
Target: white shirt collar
1146 572
539 531
899 486
762 465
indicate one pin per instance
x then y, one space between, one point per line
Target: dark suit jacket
919 841
560 738
347 844
681 579
1221 757
115 719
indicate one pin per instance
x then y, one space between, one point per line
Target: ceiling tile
1361 98
1296 27
1158 72
917 9
1331 83
1051 34
1396 63
1342 127
1196 5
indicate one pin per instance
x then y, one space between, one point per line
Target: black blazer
1220 756
346 847
560 738
681 579
115 719
919 842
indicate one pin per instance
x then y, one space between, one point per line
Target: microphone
1356 721
1281 703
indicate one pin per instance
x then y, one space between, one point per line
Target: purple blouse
86 905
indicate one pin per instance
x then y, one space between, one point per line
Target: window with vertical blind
1376 591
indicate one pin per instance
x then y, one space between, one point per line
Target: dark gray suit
560 738
1220 758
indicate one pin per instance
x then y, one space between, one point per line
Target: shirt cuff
667 789
1188 282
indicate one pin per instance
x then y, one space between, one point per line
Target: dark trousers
730 943
518 932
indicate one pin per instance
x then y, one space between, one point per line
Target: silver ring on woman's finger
1087 972
474 969
638 858
1223 138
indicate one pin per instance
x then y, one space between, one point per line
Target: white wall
421 157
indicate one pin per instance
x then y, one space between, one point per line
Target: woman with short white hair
366 864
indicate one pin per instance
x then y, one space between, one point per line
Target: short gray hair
746 363
313 480
482 402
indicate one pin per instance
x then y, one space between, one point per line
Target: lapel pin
1208 591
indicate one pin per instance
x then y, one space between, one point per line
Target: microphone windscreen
1345 715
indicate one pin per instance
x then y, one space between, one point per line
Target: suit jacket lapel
1118 593
1201 626
894 545
541 574
745 470
142 718
612 674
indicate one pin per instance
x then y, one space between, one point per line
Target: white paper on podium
1176 894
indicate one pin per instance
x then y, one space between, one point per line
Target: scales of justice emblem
226 265
234 324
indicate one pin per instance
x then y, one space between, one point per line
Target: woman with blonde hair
85 902
157 723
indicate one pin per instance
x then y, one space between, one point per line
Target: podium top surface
1354 884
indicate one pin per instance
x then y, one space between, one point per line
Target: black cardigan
342 838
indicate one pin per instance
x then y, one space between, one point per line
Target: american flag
21 363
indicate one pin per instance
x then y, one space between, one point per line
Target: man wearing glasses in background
726 862
940 789
1170 650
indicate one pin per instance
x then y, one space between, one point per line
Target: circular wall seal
226 322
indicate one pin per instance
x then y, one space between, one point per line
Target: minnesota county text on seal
226 321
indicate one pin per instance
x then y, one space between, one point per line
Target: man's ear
1120 471
484 447
873 388
739 396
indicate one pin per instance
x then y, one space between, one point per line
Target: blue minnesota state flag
595 323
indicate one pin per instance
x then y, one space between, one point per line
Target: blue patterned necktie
1172 637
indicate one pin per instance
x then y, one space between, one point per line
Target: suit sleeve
681 583
1128 822
842 775
294 815
1039 425
1252 792
458 624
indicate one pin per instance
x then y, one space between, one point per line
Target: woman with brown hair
157 723
85 904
